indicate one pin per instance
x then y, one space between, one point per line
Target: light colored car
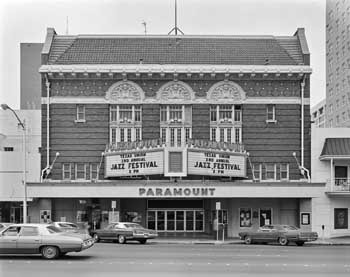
123 231
3 225
282 234
45 239
69 227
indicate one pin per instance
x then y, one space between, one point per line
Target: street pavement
161 258
187 240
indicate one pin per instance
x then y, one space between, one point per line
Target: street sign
114 204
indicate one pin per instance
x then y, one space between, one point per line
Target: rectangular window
270 110
340 218
237 135
222 134
256 171
163 135
163 113
138 134
284 171
270 172
138 113
229 136
8 149
129 135
93 171
213 134
225 113
114 135
265 217
125 113
113 113
245 217
178 137
80 113
188 134
175 113
122 134
80 171
66 171
172 137
213 114
238 113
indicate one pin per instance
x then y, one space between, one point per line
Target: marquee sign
134 163
216 163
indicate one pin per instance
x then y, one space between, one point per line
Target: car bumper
145 236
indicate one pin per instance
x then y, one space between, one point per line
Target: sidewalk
184 240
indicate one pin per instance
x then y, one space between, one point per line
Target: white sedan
44 239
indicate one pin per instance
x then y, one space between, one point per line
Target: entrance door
176 220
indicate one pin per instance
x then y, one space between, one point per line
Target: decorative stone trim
175 91
190 68
226 91
125 92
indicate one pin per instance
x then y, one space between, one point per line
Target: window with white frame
270 113
225 123
80 113
257 171
175 124
270 172
66 171
125 123
94 171
80 171
284 171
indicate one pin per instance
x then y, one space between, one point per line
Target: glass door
189 220
170 221
160 220
180 220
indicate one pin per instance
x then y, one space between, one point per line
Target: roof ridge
104 36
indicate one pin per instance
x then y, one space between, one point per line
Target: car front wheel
248 240
121 239
50 252
283 241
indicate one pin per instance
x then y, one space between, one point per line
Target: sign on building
216 163
134 163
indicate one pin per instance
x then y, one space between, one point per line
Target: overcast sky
27 20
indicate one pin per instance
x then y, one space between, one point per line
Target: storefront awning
336 148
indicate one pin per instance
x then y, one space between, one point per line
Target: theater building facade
169 131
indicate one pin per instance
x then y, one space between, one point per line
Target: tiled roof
218 50
335 147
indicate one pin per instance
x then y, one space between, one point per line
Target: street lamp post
21 123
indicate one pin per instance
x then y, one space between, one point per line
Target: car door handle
36 240
13 240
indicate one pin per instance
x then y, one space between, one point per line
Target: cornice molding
162 69
250 100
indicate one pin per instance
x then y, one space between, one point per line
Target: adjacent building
12 161
30 85
331 164
318 114
173 131
338 63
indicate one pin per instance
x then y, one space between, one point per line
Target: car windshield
53 229
67 225
132 225
110 226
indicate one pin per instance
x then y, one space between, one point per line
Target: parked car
283 234
45 239
123 231
70 227
3 225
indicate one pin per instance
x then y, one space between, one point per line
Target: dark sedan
282 234
123 231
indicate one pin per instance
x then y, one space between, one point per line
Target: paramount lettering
166 192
